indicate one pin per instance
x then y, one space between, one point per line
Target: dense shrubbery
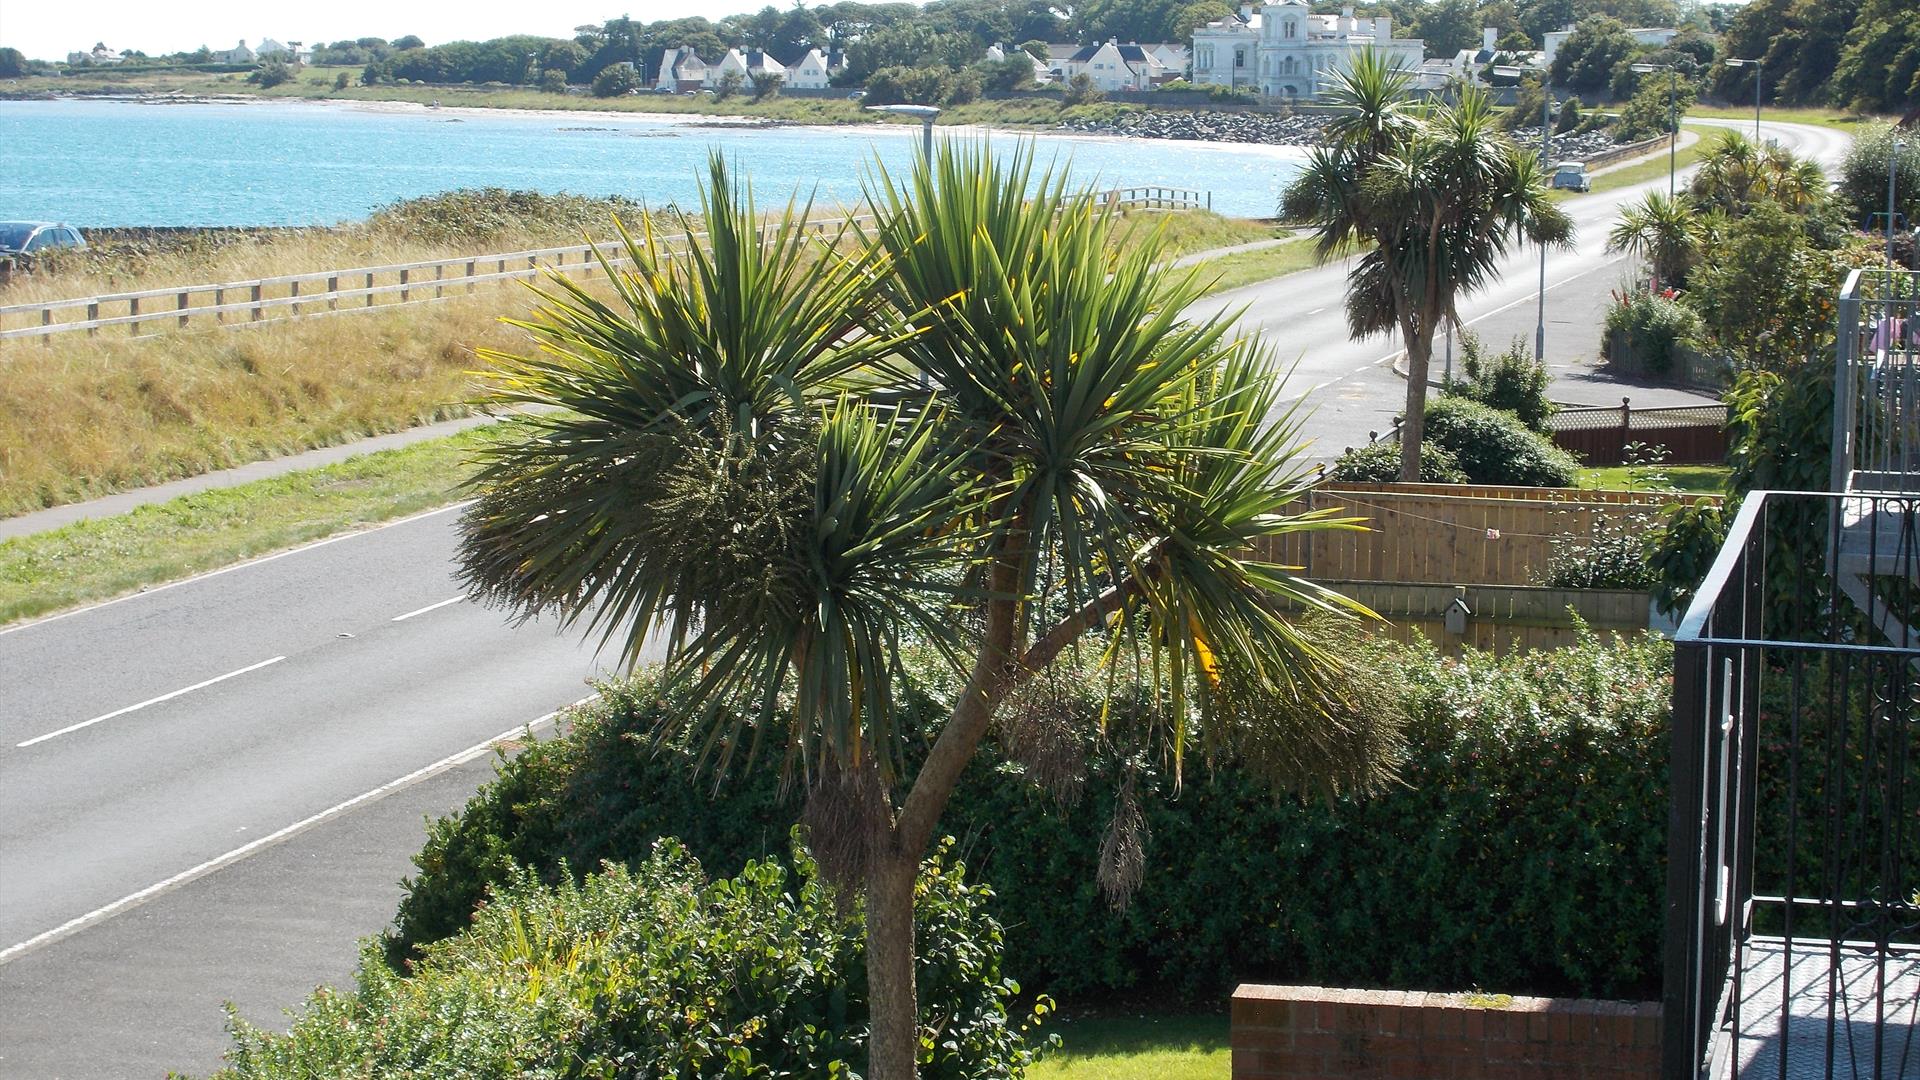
1653 326
923 86
657 971
1523 851
616 80
480 214
1511 381
1379 463
1495 447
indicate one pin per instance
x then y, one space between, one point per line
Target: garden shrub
1610 557
1495 447
1511 381
656 971
1654 326
1379 463
1522 850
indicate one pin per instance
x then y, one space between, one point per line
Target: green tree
793 460
271 73
1655 108
1081 91
615 80
1879 68
1436 196
768 86
13 63
1448 26
1667 233
1863 175
1586 60
728 84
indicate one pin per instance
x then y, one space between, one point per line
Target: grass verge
1249 267
1828 118
1692 479
97 560
1139 1048
1652 168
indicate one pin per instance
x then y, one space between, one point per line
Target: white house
680 70
1173 57
761 65
239 54
735 62
1113 66
269 47
1468 65
99 54
1656 36
810 72
1041 73
1285 50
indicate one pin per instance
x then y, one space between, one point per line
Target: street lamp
1759 69
1673 119
926 113
1546 132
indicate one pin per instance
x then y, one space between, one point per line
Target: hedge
1523 851
658 971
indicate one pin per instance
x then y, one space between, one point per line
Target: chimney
1488 35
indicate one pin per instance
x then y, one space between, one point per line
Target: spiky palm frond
1062 362
1667 233
703 376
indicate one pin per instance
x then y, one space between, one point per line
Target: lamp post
1893 166
1673 119
1546 147
926 113
1759 70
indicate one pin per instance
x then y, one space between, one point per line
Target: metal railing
1876 414
1792 932
374 287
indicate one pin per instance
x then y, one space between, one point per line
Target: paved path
207 790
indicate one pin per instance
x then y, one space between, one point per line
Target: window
1292 65
42 239
1240 58
1287 28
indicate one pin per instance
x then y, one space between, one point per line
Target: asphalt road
208 791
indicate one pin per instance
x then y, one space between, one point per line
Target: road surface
209 790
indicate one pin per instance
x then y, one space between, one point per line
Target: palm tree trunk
893 1043
1413 427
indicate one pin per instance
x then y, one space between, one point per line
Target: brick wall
1309 1032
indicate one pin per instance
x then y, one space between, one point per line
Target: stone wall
1311 1032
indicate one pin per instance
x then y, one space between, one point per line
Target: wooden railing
374 287
1161 198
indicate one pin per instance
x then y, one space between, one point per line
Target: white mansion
1284 50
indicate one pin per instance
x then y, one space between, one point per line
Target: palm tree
974 430
1436 196
1667 233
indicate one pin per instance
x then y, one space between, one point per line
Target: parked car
663 89
1572 176
31 237
21 242
857 95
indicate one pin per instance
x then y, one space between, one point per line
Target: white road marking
70 728
429 607
236 566
221 862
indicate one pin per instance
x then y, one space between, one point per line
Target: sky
50 29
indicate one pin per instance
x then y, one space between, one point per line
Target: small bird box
1457 615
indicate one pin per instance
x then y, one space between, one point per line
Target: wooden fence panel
1505 618
1455 535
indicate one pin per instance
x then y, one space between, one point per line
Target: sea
99 163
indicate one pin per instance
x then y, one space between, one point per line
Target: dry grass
83 417
86 416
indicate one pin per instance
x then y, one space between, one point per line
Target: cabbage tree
1433 196
976 430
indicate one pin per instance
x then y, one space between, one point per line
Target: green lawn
1693 479
1138 1048
1832 118
1248 267
97 560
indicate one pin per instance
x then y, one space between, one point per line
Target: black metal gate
1793 935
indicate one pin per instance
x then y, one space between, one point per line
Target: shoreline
643 117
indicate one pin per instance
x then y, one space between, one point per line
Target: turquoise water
101 163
